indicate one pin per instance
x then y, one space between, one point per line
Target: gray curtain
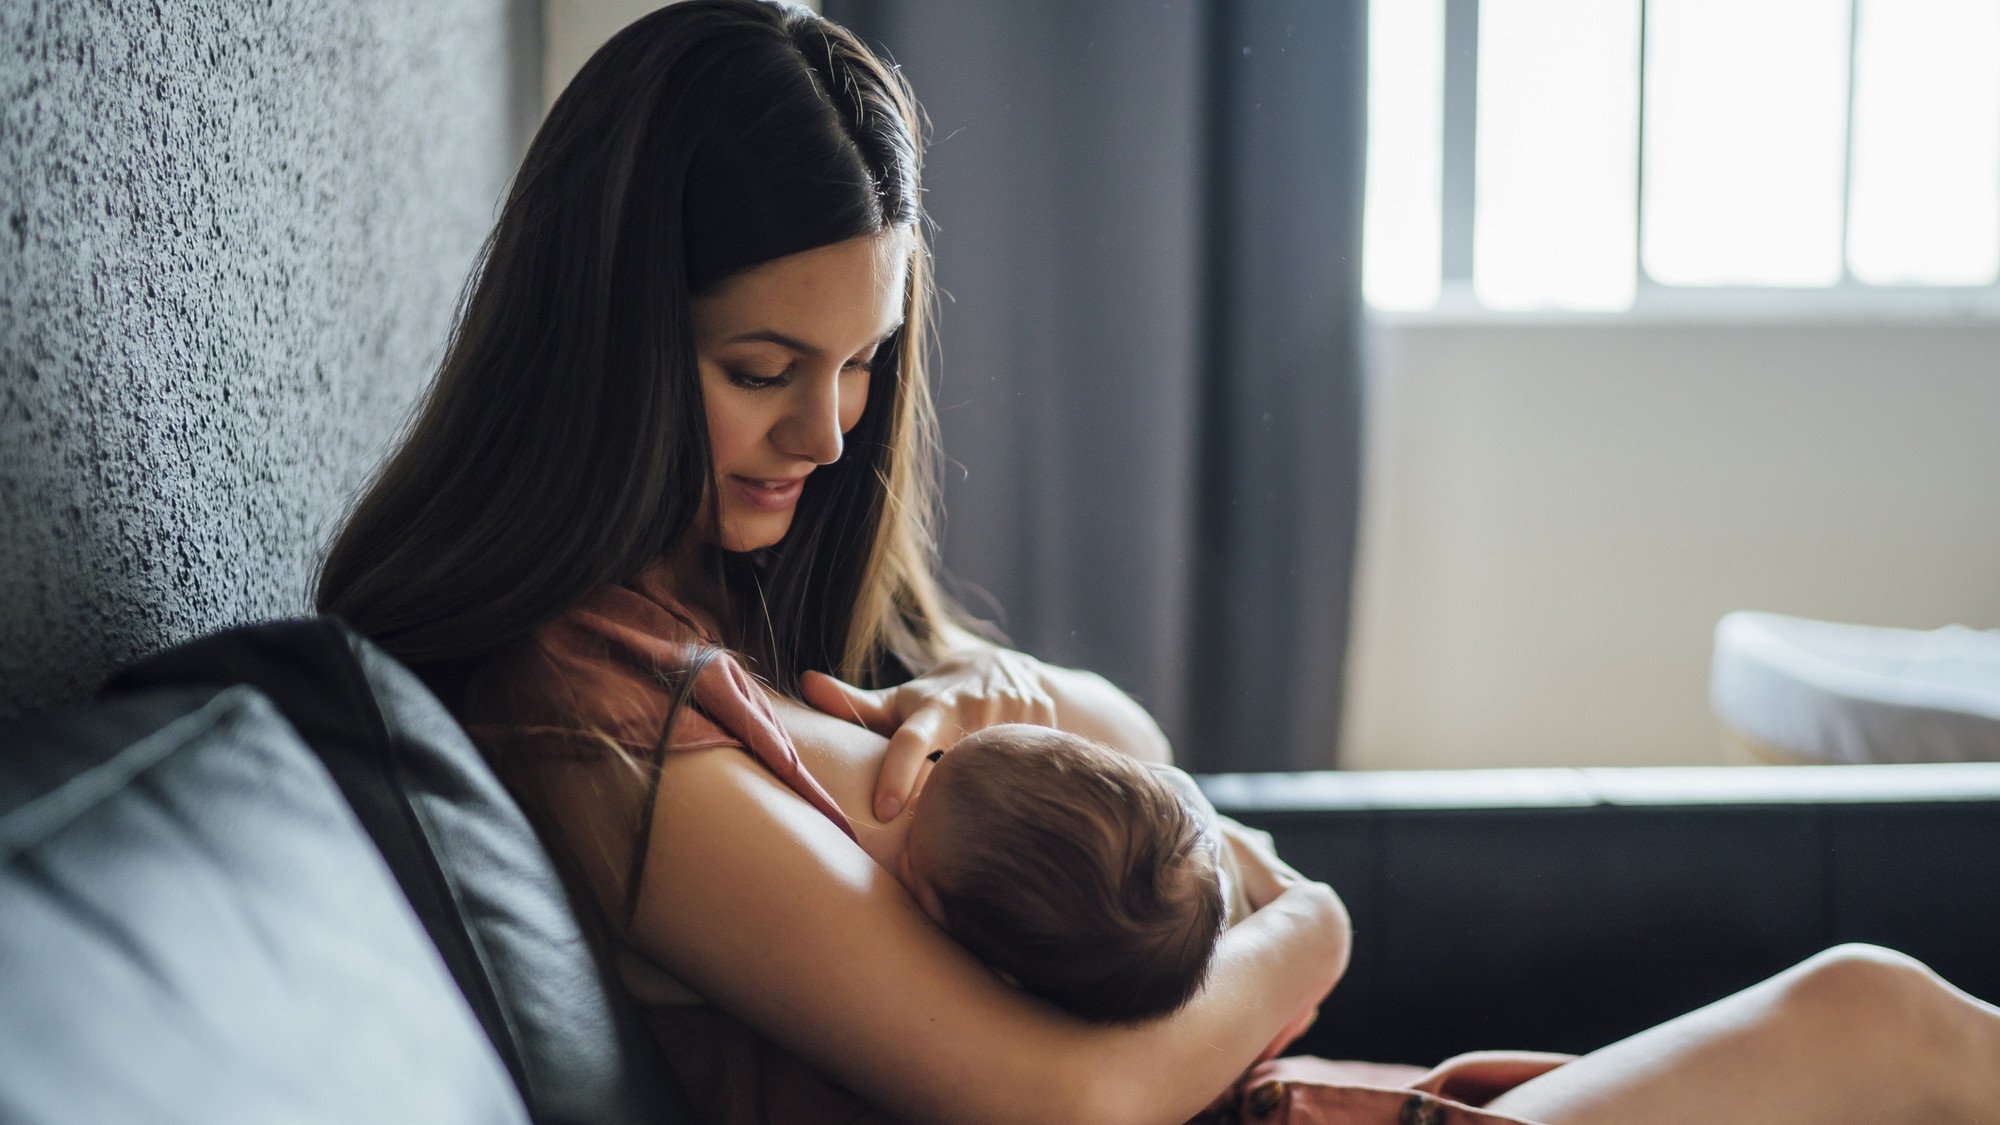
1148 230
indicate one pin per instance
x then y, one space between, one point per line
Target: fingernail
887 808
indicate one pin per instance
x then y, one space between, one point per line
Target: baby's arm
1233 894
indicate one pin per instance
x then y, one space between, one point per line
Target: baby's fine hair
1084 879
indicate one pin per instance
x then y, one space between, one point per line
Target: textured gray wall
233 237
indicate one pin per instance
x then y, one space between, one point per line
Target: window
1608 154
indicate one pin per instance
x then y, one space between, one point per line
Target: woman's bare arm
1092 706
762 906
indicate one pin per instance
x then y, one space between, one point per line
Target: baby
1075 872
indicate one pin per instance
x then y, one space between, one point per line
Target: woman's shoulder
639 613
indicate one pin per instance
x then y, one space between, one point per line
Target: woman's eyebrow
810 351
767 336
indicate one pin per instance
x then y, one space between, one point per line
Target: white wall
574 29
1555 515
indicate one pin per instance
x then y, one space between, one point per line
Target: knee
1886 1013
1862 973
1872 990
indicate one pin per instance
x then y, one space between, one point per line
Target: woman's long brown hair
563 446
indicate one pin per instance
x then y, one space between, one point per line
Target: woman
682 436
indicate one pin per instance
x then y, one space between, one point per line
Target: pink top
604 670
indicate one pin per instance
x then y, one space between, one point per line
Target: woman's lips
774 495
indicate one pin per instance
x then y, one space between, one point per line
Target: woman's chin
742 537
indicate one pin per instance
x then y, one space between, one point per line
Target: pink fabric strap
734 701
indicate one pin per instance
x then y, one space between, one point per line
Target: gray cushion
193 927
465 856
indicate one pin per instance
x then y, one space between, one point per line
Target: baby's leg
1856 1034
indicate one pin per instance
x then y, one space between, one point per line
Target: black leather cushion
465 856
1563 909
193 928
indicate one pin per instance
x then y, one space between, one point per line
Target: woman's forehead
833 299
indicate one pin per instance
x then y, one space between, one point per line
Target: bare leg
1856 1034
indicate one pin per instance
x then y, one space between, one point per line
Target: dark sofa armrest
1563 909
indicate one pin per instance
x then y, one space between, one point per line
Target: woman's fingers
910 740
907 758
1027 699
964 692
871 709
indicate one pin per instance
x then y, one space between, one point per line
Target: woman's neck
691 575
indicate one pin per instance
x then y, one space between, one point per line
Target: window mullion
1642 279
1847 279
1461 138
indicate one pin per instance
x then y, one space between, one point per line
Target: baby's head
1069 868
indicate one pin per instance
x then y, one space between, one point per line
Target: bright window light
1746 129
1557 163
1926 179
1401 224
1614 150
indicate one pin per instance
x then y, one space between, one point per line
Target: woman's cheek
732 424
853 399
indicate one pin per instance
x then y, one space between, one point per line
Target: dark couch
266 878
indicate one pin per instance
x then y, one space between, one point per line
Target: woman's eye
751 382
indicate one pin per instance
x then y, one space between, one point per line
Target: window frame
1847 300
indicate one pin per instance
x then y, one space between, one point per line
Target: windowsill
1856 304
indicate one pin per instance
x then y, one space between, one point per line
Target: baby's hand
1265 876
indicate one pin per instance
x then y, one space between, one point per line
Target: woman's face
784 350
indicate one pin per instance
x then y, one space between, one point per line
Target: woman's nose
811 429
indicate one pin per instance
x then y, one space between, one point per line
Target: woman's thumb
845 701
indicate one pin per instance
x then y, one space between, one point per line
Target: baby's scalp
1071 870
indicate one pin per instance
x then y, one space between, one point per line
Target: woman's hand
970 690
